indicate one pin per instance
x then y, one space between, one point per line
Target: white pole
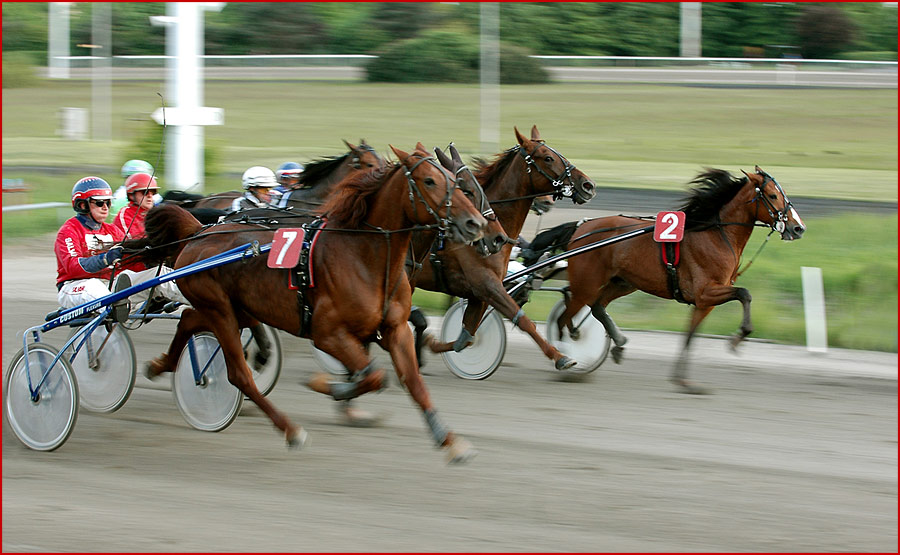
690 29
490 77
101 87
814 309
58 41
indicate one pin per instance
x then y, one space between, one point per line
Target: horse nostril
588 186
799 229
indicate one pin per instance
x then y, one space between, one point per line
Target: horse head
435 197
779 212
566 180
364 157
494 236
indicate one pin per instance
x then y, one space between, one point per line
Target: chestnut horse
512 182
316 181
721 213
361 293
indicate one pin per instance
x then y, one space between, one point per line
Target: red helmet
141 182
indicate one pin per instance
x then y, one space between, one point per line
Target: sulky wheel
212 404
265 370
482 358
592 346
105 366
43 423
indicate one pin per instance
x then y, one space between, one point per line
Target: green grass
839 143
858 257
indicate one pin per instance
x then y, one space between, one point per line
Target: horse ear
535 134
420 146
402 156
442 158
351 147
759 170
752 178
455 154
519 137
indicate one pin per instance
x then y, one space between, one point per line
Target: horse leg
598 310
679 373
190 323
352 354
746 328
399 342
470 321
226 329
420 323
262 341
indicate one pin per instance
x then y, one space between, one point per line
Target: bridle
483 205
416 194
563 184
356 160
779 217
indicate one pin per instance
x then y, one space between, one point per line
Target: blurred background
640 96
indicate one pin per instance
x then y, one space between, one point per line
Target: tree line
729 29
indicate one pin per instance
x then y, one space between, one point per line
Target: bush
871 56
443 56
19 70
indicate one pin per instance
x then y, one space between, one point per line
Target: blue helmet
132 167
288 170
87 188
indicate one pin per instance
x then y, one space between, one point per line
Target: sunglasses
105 202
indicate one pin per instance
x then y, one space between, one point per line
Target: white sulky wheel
105 367
266 375
592 346
482 358
45 423
214 403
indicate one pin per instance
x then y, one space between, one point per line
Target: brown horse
721 213
361 293
316 181
512 182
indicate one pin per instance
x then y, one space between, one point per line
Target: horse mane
349 203
164 226
487 172
714 189
318 170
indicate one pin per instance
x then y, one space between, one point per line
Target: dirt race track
792 452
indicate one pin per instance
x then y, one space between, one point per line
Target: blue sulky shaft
248 250
582 249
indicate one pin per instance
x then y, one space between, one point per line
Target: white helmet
258 176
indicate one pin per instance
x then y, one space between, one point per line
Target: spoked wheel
105 367
265 372
482 358
592 346
214 403
45 423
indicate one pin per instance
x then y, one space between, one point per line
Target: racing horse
360 295
511 182
720 214
316 181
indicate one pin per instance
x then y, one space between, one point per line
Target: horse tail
555 238
165 227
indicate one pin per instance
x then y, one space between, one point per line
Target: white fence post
814 309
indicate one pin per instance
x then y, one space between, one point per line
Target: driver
258 183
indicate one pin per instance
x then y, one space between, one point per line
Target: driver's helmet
288 172
132 167
87 188
258 176
141 182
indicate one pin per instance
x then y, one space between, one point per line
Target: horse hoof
359 418
320 383
564 363
151 370
575 335
459 451
260 360
618 353
692 389
298 439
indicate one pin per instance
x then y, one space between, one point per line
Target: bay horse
511 182
316 181
721 212
360 292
